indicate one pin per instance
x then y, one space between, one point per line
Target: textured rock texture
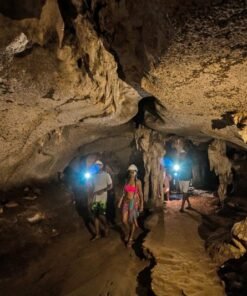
222 249
151 144
72 72
201 79
55 100
221 165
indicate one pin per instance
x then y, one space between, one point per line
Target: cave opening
145 105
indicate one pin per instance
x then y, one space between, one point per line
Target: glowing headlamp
176 167
87 175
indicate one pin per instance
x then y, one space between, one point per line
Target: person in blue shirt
184 178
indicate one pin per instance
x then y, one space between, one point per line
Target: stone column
221 165
151 144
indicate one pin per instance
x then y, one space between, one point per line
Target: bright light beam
176 167
87 175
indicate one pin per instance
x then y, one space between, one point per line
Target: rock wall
53 100
224 249
78 69
152 146
221 165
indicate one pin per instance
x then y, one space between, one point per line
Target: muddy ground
56 257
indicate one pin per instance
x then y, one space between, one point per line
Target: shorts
184 186
98 208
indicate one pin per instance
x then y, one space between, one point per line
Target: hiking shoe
181 211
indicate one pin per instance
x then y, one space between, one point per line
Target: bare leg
188 201
126 226
97 225
183 202
96 222
133 227
105 224
130 241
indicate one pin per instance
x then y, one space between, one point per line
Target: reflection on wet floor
176 196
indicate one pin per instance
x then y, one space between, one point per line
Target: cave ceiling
72 72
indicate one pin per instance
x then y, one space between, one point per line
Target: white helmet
133 167
98 162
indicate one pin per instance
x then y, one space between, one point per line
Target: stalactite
151 144
221 165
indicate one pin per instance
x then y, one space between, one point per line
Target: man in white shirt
101 182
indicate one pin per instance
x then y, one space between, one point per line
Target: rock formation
74 71
221 251
151 144
221 165
60 101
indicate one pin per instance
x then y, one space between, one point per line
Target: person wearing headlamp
101 182
184 178
131 204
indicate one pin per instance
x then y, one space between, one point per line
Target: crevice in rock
146 106
120 70
226 120
144 277
69 14
95 15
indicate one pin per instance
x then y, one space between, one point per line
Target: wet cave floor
56 257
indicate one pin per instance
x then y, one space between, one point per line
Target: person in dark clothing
184 178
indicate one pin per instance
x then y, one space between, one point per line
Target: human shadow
110 208
83 210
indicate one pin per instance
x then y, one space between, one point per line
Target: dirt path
183 267
74 266
71 265
38 264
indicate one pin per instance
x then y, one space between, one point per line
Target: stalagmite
151 144
221 165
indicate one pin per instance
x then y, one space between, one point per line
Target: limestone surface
72 72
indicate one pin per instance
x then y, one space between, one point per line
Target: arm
109 187
120 200
139 185
109 182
